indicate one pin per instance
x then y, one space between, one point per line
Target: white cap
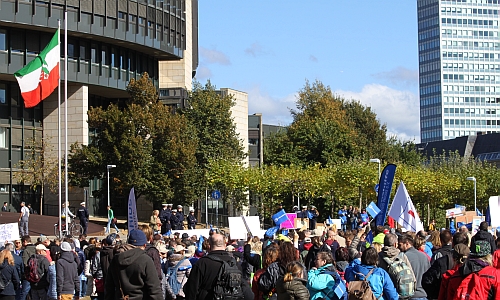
40 247
179 206
191 210
164 204
82 203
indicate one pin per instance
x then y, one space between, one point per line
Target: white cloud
255 50
203 73
275 110
399 76
214 56
398 109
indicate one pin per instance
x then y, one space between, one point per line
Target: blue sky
364 50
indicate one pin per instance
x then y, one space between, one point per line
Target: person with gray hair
390 253
203 277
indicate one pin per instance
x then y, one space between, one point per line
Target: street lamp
376 160
109 167
475 197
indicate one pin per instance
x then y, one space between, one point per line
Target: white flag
403 211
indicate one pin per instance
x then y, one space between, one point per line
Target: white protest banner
9 232
494 210
238 230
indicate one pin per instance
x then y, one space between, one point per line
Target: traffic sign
216 194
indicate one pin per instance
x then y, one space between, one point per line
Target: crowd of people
298 264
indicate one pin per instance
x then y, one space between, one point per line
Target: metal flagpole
59 128
66 110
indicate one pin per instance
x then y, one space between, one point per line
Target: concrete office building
109 43
459 68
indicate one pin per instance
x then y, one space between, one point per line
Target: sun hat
65 247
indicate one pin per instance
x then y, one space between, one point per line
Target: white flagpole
59 129
66 110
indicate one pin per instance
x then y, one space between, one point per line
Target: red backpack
31 273
479 286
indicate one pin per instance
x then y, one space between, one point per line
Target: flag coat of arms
40 77
280 217
403 211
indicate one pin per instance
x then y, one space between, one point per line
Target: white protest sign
238 230
494 211
9 232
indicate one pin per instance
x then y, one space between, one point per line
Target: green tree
153 149
39 168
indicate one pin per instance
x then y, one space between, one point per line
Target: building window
3 138
3 39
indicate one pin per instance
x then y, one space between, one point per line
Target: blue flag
200 244
133 223
373 210
329 221
272 231
384 192
479 214
369 237
488 216
280 217
310 214
168 233
340 289
211 228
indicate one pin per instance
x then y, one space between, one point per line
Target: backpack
229 280
360 289
480 285
402 275
172 280
431 279
32 274
339 290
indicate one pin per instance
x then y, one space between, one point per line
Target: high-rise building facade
459 68
109 42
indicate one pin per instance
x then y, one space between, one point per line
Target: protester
445 238
267 281
107 253
38 289
341 261
179 269
151 250
460 253
343 217
293 285
313 215
66 214
418 261
132 272
323 277
270 256
68 282
154 221
8 275
202 281
484 235
379 279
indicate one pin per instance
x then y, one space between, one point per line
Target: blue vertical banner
133 222
384 192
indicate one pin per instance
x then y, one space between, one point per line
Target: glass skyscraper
459 68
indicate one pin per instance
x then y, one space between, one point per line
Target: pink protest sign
291 221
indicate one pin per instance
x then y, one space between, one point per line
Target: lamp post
109 167
475 195
376 160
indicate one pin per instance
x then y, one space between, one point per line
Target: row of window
428 45
433 77
469 22
431 135
430 123
471 111
487 78
463 122
472 55
459 33
428 34
473 1
424 101
470 44
431 22
428 67
472 88
429 56
431 111
471 99
435 88
469 11
466 66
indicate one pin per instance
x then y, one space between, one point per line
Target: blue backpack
174 284
339 290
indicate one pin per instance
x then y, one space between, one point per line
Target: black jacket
82 213
106 256
10 278
292 290
134 272
43 268
203 276
484 236
152 252
191 219
67 274
268 280
431 280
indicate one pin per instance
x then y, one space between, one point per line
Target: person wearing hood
484 235
293 285
390 252
184 269
379 280
307 245
479 262
319 283
107 253
460 253
151 250
8 274
418 262
68 282
132 272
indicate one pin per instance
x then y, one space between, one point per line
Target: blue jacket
321 285
380 282
343 216
428 248
10 277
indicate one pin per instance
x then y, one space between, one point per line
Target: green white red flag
40 77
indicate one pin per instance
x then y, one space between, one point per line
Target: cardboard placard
301 222
9 232
290 224
238 230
